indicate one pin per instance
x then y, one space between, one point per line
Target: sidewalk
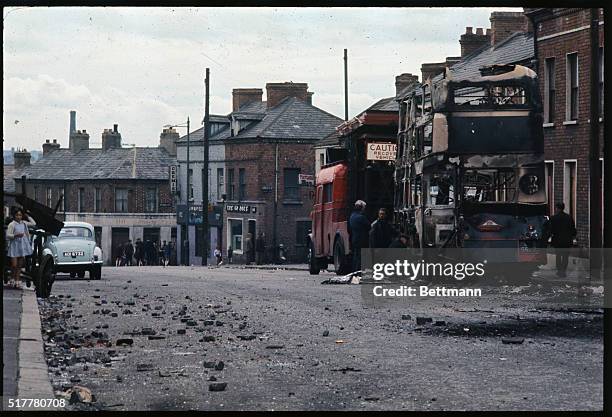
286 267
25 369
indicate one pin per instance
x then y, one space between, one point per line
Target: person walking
167 253
129 253
563 232
230 254
218 256
19 244
381 232
250 248
260 248
119 259
358 228
138 253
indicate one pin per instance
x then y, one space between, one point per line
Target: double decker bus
469 171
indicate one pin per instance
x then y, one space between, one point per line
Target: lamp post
188 188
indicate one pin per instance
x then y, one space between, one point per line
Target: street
282 341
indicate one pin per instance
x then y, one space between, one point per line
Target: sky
144 68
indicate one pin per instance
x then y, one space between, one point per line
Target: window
81 200
151 200
190 181
571 95
220 184
292 190
549 90
550 186
301 232
569 187
61 196
98 200
234 226
601 82
121 200
49 197
321 159
327 192
230 184
241 184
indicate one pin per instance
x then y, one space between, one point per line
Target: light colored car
75 250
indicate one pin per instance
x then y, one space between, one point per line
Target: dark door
120 236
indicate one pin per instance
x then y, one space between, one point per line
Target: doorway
120 235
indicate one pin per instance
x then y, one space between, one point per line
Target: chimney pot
54 140
115 128
242 96
479 31
468 30
47 141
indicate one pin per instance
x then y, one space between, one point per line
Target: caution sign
381 151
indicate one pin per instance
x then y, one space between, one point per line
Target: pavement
24 365
193 338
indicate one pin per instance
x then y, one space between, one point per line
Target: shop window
235 230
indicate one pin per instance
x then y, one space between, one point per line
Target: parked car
75 250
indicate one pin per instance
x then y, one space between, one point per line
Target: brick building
123 192
563 51
270 145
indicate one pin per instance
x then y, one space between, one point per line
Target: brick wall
567 142
258 160
136 194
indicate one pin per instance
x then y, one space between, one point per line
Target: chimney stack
404 80
111 138
277 92
79 140
504 24
49 147
242 96
309 97
72 122
167 140
471 41
21 158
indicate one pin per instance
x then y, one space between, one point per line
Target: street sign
381 151
305 179
240 208
173 178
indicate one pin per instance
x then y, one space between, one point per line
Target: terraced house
123 192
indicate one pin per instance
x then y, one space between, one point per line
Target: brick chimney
277 92
79 140
309 97
471 41
167 140
504 24
242 96
404 80
430 70
21 158
49 147
111 138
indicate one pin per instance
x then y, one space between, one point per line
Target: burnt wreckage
469 171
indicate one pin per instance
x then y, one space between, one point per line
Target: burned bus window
489 186
327 192
427 137
441 190
508 96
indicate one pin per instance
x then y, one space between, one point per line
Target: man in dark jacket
358 228
260 248
381 233
129 253
563 231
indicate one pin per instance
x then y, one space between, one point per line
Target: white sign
381 151
172 178
305 179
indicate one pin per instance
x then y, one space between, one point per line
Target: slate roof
518 48
290 119
198 135
9 183
331 140
385 104
112 164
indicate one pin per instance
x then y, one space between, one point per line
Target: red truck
364 171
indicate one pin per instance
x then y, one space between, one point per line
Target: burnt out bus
469 171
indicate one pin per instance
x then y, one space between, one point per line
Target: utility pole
275 213
594 163
345 84
205 173
188 197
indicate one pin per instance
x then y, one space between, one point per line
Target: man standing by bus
382 232
359 229
563 231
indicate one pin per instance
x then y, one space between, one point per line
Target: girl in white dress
19 244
